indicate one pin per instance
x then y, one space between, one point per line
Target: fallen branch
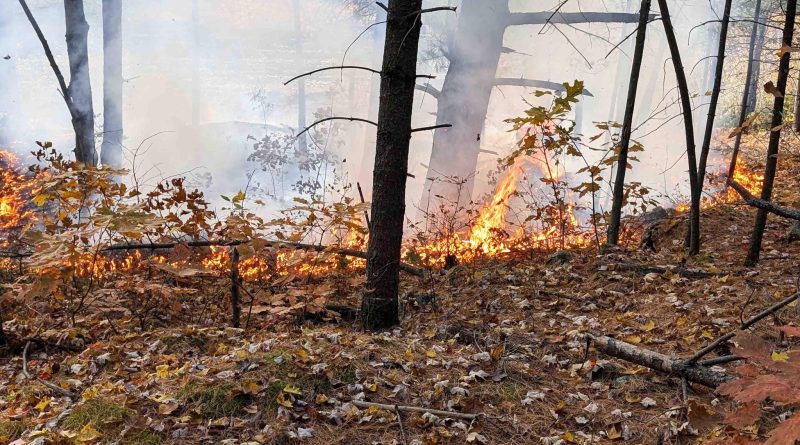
415 409
275 244
50 385
749 322
771 207
432 127
649 268
657 361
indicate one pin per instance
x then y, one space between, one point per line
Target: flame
751 181
12 189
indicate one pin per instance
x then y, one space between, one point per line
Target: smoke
239 50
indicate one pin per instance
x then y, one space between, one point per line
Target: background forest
399 222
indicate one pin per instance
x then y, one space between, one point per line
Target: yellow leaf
780 356
43 404
372 387
284 400
162 371
250 387
40 199
88 434
289 389
430 353
568 437
681 321
707 334
321 398
632 398
634 339
649 326
167 408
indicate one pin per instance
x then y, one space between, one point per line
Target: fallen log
649 268
209 243
771 207
415 409
657 361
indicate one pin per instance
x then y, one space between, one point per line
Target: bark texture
686 107
627 125
715 90
474 52
80 87
774 138
111 149
747 92
379 305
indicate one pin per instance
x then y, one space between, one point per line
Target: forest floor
502 338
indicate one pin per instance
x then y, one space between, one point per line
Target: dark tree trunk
744 107
774 137
715 90
686 107
111 150
627 125
301 83
474 53
379 305
80 88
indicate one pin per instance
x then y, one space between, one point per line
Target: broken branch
341 67
432 127
336 118
771 207
415 409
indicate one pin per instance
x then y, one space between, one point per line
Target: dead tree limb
657 361
48 53
771 207
432 127
342 67
415 409
427 89
749 322
336 118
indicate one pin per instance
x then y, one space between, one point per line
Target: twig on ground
415 409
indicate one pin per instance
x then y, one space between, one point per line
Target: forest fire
749 180
12 203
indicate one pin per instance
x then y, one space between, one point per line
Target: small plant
213 401
97 412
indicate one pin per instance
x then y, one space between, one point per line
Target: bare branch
340 67
49 54
432 127
382 6
429 90
534 83
336 118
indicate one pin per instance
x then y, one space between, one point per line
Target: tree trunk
796 124
774 138
715 90
301 83
111 149
755 85
627 125
686 107
80 88
370 136
744 107
379 305
474 53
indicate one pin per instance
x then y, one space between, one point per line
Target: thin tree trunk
755 84
715 90
627 125
111 149
370 136
80 87
301 83
380 303
774 138
686 106
796 124
744 108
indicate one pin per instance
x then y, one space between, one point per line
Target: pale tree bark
474 53
686 107
747 92
380 301
774 138
627 125
111 149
